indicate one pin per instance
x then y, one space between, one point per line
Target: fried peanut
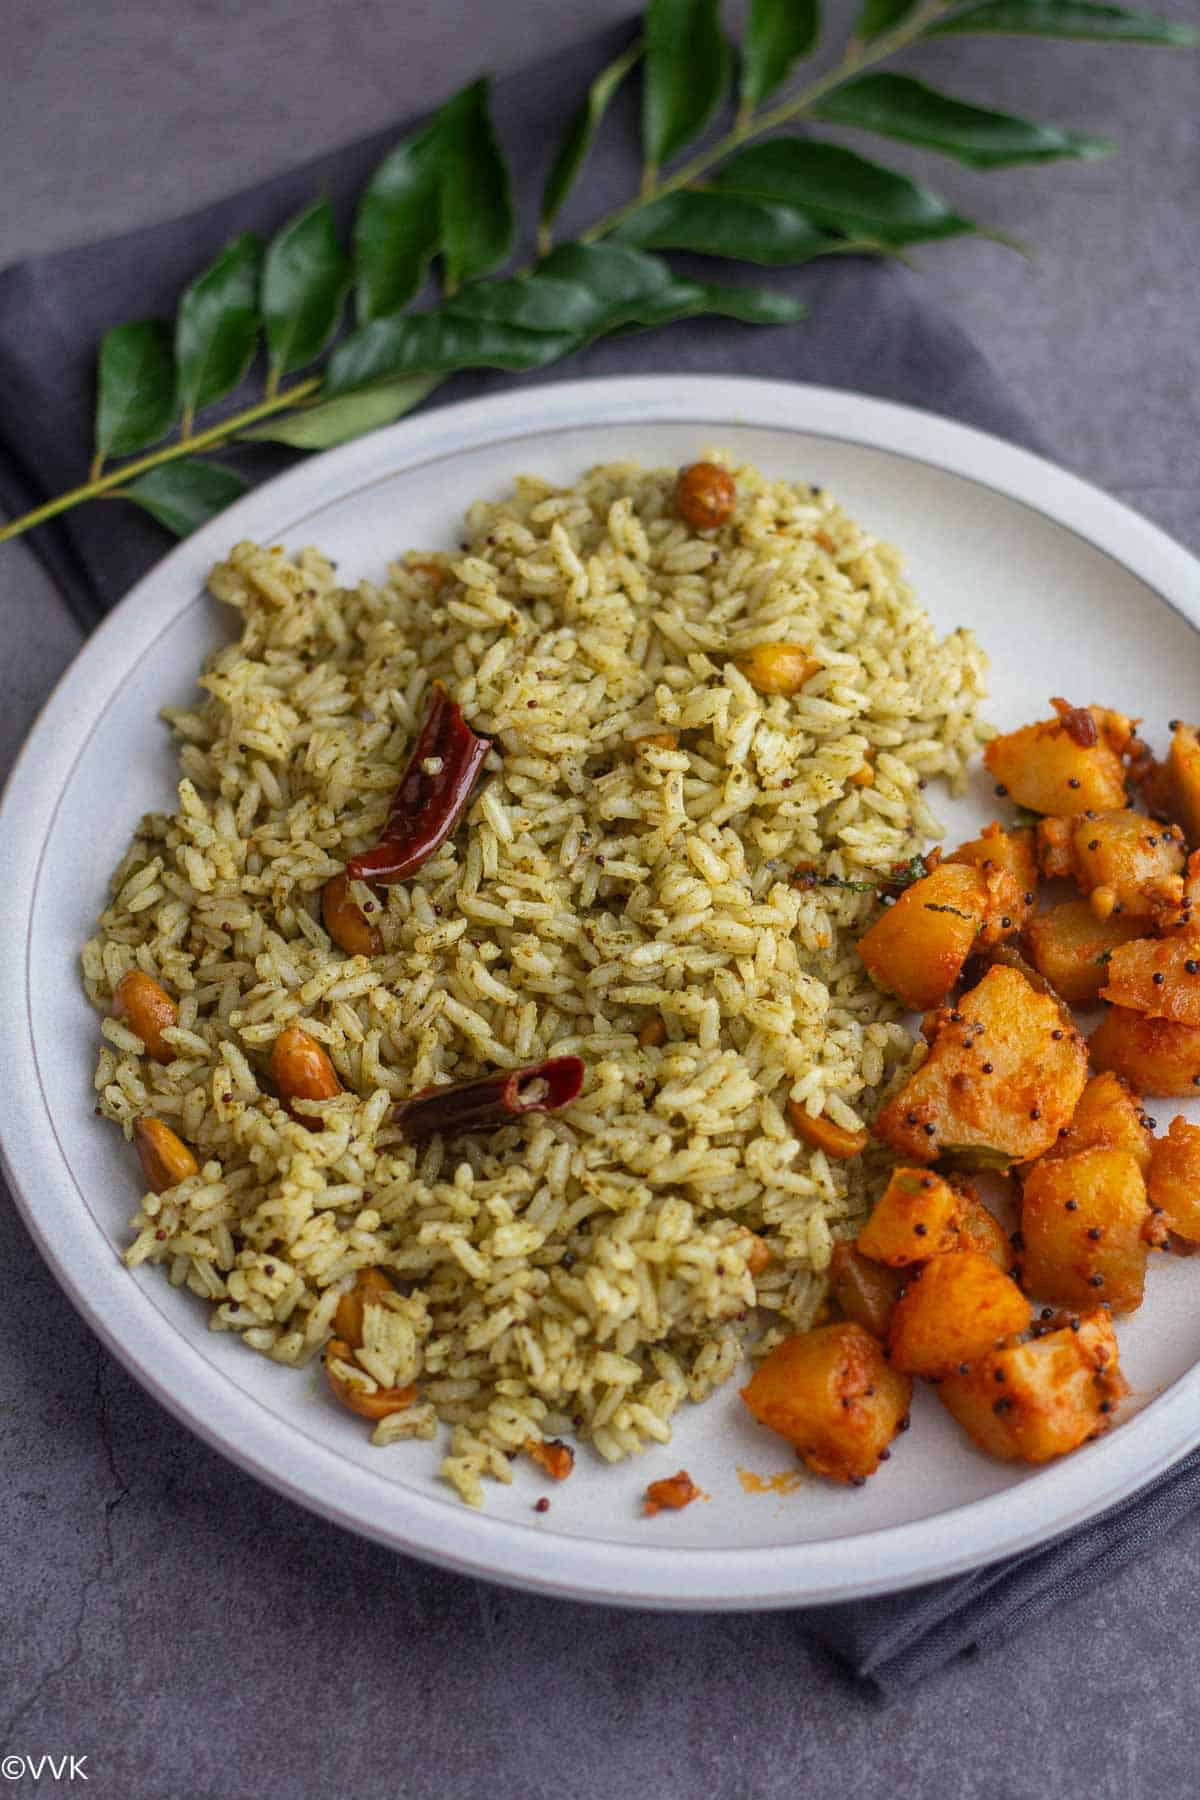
377 1405
369 1284
165 1158
301 1070
148 1010
652 1033
778 668
824 1135
345 920
705 496
757 1253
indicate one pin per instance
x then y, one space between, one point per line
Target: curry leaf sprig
437 222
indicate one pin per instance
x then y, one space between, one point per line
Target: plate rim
267 1445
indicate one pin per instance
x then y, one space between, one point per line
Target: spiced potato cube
981 1230
1183 919
916 949
1004 1073
1174 1180
1128 864
1084 1222
1060 765
1110 1117
1034 1401
866 1291
833 1395
1008 863
1071 948
953 1310
1156 976
1155 1056
917 1216
1172 789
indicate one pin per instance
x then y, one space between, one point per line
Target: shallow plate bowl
1069 592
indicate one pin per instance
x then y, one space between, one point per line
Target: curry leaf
757 231
338 421
778 34
185 495
436 343
475 200
216 328
579 292
581 130
878 16
753 306
686 74
615 275
447 190
537 302
903 875
136 400
900 106
625 287
397 227
303 285
629 288
841 190
1067 19
974 1156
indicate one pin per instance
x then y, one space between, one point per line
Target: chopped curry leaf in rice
627 856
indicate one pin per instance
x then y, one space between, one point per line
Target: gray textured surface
134 1631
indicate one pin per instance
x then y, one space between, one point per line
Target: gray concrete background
193 1634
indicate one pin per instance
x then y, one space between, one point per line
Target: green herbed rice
583 1271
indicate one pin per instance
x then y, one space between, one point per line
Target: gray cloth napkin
869 329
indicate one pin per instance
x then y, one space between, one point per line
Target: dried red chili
432 795
491 1100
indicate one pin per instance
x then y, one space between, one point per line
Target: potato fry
1035 1401
833 1395
1003 1075
917 948
953 1310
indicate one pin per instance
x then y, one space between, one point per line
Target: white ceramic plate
1069 592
